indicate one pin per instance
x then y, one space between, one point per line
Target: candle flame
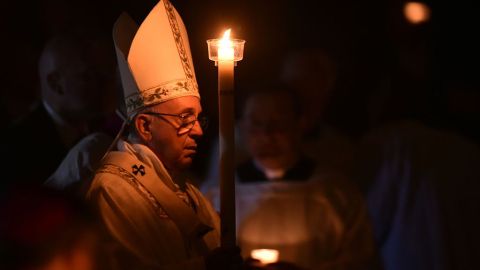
226 35
226 49
225 41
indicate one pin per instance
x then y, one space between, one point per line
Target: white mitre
154 59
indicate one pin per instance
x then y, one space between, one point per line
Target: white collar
271 174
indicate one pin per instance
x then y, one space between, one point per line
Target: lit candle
227 140
265 256
225 52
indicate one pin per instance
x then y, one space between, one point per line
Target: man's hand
224 259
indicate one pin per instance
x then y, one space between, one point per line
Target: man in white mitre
155 217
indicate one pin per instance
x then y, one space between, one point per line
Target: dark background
371 42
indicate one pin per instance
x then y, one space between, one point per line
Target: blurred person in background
314 218
77 98
311 74
421 185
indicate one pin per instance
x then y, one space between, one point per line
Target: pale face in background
272 130
78 78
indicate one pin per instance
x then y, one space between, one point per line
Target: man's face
175 150
272 130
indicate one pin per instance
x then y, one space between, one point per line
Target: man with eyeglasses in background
156 219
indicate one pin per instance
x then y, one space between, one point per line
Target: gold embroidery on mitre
178 40
161 93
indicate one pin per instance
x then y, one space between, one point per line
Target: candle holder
214 46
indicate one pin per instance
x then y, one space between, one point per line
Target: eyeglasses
187 121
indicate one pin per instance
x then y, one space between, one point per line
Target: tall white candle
226 52
227 139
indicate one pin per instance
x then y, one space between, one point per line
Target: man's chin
186 162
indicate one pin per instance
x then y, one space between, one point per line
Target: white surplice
320 223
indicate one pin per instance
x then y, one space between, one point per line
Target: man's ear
53 81
143 125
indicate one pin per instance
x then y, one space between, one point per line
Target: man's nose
196 130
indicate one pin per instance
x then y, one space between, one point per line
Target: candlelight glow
416 12
225 47
265 256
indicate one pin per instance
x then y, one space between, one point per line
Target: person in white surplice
315 218
157 220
